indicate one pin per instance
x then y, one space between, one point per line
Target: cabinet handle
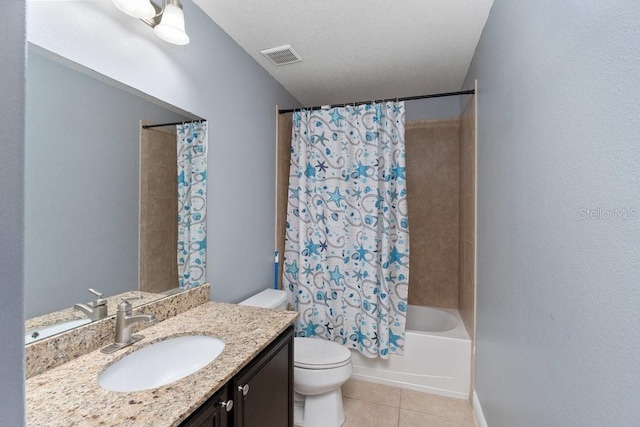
228 405
244 389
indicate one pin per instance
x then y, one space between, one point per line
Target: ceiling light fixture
167 22
141 9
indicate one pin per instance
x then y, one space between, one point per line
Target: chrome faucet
124 322
96 309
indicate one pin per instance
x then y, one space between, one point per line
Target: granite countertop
70 394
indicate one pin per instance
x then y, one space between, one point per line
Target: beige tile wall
432 150
466 287
158 210
282 173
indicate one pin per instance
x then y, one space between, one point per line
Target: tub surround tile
162 251
285 125
372 392
432 153
467 163
70 394
443 234
160 263
431 123
160 145
158 210
161 276
160 182
283 160
420 279
62 348
281 227
161 213
417 163
444 189
467 213
421 213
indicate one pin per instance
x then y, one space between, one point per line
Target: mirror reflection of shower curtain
192 203
346 257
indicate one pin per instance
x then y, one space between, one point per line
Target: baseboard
409 386
478 416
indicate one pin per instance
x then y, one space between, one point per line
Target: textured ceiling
359 49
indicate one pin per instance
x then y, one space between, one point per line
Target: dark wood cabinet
263 391
213 413
260 395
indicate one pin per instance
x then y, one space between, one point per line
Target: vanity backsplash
62 348
71 313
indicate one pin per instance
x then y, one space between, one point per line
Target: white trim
478 416
475 220
275 183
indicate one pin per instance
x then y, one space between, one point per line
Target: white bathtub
437 356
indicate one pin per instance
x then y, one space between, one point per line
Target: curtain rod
407 98
171 124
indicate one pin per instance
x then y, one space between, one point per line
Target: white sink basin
161 363
48 331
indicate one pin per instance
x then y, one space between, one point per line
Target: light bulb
141 9
171 26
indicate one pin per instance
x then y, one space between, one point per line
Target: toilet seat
317 354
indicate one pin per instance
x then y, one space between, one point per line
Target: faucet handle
96 293
125 304
100 300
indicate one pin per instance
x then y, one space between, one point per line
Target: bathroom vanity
255 371
260 395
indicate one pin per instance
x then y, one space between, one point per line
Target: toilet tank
269 298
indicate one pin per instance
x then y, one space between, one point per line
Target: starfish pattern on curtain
347 237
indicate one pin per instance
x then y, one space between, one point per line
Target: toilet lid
316 353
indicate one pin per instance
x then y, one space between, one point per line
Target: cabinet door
212 413
263 391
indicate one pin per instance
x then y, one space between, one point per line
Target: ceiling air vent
282 55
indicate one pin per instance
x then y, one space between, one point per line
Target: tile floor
374 405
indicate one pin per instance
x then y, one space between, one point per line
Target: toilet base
321 410
298 413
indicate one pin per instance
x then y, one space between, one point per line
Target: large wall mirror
99 199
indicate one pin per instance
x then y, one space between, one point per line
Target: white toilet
320 367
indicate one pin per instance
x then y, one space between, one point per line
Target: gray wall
432 108
82 161
213 78
12 88
558 290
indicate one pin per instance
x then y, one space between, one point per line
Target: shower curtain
346 261
192 204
